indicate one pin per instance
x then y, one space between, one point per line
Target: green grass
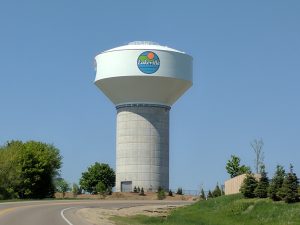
225 210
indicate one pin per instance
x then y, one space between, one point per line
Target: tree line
283 186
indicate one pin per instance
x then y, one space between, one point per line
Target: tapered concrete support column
142 147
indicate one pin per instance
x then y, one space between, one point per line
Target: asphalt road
61 212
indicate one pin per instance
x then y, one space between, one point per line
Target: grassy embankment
226 210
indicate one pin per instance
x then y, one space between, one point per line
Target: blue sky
246 80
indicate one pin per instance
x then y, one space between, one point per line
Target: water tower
143 79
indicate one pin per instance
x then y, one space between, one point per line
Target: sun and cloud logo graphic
148 62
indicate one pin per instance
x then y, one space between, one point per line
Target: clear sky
246 80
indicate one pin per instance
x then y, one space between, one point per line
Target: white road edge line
63 216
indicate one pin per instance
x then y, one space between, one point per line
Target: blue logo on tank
148 62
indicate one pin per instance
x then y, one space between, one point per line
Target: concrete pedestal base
142 147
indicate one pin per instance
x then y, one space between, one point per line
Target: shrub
161 194
135 189
101 189
170 193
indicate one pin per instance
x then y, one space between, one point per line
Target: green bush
161 194
100 188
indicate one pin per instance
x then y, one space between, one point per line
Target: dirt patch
129 196
100 216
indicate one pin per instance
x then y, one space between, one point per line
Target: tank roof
143 45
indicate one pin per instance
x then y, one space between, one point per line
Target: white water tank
143 80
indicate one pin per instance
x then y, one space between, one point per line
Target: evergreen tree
261 191
209 195
289 189
179 191
202 194
276 183
135 189
142 193
248 186
217 191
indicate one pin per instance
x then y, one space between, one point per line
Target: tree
202 194
10 171
233 167
142 193
170 193
95 174
276 183
40 163
248 186
289 189
217 191
61 186
29 169
257 146
179 191
76 190
209 195
261 191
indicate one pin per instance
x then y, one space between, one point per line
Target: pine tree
276 183
202 194
209 195
261 191
217 191
179 191
289 189
248 186
142 193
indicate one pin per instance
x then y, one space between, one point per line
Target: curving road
61 212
